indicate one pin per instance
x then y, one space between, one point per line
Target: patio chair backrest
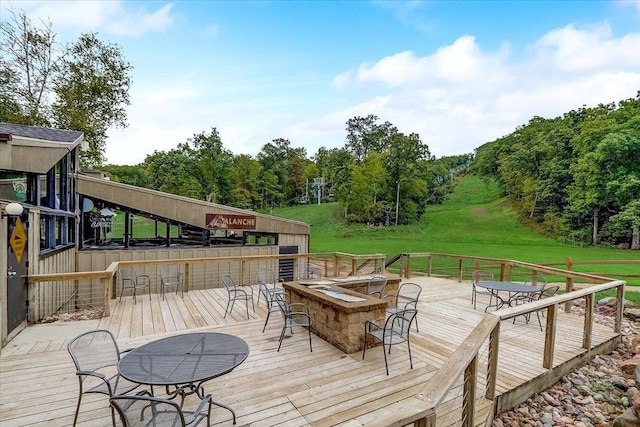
142 411
170 273
539 282
549 292
398 325
128 274
228 283
408 295
94 350
376 286
481 275
266 276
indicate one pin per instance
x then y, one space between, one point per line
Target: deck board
293 387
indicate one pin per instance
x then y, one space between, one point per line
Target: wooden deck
294 387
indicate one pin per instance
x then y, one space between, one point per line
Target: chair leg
284 328
226 309
246 304
266 321
386 366
75 418
310 348
410 359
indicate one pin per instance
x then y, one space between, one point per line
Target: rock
620 386
629 366
629 418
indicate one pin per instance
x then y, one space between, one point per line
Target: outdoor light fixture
12 209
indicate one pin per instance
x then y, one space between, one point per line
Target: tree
28 59
83 86
92 89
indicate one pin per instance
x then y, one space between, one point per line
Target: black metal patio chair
293 314
407 297
170 277
395 332
478 276
143 410
237 293
96 356
130 279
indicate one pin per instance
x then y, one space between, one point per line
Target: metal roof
43 133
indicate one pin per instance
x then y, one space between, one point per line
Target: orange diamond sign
18 240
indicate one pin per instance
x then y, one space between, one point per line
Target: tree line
574 177
380 176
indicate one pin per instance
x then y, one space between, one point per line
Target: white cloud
114 17
582 50
461 96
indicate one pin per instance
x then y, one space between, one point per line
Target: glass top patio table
514 290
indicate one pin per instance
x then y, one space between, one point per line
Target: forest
574 177
380 176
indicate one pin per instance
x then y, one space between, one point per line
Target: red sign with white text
230 222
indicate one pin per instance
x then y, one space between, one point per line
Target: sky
458 73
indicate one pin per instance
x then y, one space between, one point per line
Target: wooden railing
92 289
464 361
421 409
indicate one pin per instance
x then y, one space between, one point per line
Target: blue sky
458 73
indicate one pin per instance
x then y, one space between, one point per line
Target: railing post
429 265
354 265
336 266
469 393
492 365
620 309
242 274
460 270
550 336
407 268
501 272
569 283
186 277
106 283
588 321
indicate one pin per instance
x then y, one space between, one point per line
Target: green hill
473 221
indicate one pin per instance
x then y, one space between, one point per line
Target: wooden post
469 393
569 283
336 266
407 268
460 270
550 336
354 265
186 277
492 365
429 265
106 283
588 321
242 267
502 272
620 309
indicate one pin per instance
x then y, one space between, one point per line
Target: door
285 266
16 274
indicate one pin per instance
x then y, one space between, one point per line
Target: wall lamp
12 209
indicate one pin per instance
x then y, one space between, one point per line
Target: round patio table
514 290
185 362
